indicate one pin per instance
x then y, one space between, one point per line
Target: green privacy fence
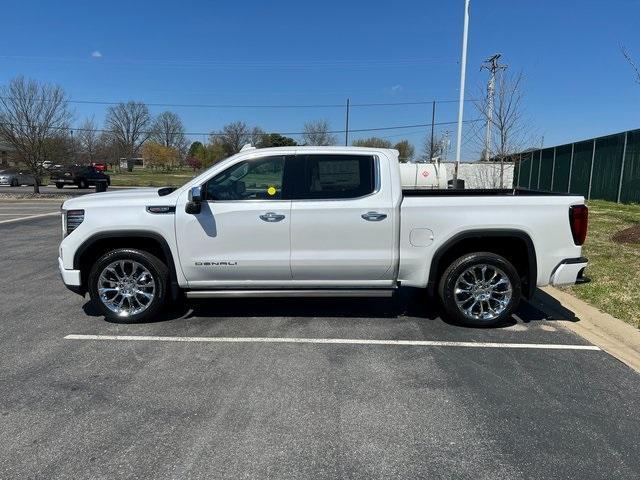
606 168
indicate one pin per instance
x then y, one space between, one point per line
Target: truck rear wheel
480 289
128 285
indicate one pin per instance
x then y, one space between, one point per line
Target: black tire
59 185
83 184
14 183
155 266
447 289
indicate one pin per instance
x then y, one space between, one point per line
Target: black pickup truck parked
79 175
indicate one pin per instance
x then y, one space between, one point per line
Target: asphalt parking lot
16 210
259 390
67 190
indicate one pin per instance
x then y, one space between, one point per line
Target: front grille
74 219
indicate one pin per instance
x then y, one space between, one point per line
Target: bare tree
129 124
257 136
232 137
634 65
432 151
108 150
32 113
168 130
59 148
318 132
510 129
87 139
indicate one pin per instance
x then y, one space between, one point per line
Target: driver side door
241 236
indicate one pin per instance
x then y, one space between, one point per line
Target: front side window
337 176
249 180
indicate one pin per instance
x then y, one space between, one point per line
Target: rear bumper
71 278
569 272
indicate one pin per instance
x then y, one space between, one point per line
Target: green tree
198 150
214 152
156 155
372 142
406 150
276 140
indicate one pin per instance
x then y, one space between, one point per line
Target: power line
217 134
244 64
227 105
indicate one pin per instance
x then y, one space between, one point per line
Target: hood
119 198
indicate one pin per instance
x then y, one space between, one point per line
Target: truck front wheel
480 289
128 285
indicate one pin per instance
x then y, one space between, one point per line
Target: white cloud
396 88
96 54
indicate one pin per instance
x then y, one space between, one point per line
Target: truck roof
327 149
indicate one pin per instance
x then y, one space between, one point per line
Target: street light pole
463 73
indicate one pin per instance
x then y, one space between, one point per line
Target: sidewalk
612 335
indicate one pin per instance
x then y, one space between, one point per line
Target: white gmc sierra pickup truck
318 221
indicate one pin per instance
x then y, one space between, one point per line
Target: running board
357 292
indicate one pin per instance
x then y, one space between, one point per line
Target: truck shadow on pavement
408 302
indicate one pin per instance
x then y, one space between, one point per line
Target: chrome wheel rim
483 292
126 287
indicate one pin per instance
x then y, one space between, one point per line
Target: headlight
72 220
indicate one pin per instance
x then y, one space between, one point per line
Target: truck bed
478 192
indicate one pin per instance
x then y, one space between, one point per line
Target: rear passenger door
341 221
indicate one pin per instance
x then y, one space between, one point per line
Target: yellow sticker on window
272 191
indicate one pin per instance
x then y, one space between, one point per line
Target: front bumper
569 272
71 278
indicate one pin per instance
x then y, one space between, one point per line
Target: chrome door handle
374 216
271 217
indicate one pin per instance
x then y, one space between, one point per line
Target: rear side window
334 176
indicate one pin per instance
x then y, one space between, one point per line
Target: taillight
579 221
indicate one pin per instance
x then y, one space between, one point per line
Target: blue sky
290 52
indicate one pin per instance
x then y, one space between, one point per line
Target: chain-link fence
606 168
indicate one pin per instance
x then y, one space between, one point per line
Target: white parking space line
339 341
8 203
29 217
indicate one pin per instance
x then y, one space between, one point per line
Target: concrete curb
609 333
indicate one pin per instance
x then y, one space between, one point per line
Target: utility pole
433 124
346 129
491 64
445 143
463 73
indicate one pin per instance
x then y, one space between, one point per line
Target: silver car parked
15 178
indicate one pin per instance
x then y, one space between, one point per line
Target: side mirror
194 205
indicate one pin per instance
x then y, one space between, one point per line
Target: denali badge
216 264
